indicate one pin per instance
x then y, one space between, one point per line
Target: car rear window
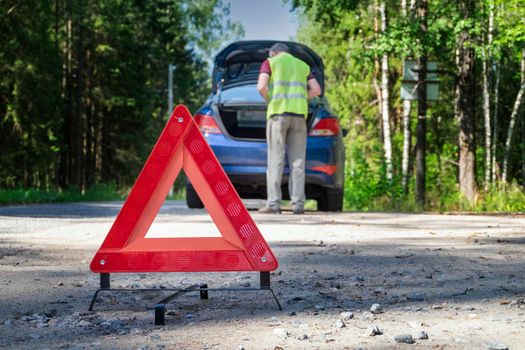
242 95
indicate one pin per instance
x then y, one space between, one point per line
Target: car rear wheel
330 201
192 198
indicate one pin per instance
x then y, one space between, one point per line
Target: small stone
281 332
35 336
422 335
245 284
293 313
373 330
404 338
8 322
60 284
241 347
437 307
346 316
517 302
171 313
189 315
339 324
303 337
84 324
155 336
495 346
376 309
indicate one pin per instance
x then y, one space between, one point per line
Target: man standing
286 83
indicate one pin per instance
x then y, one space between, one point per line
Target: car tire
330 201
192 198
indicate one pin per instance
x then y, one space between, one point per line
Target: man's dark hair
279 47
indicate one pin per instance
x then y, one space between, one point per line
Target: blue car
233 121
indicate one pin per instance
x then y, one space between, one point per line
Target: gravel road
345 280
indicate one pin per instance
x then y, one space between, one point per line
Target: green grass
507 198
501 198
101 192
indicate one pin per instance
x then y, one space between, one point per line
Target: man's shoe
268 210
298 210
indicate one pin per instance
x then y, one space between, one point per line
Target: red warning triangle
241 247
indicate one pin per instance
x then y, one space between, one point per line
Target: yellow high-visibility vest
287 90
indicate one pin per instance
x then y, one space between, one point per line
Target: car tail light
207 124
327 169
325 127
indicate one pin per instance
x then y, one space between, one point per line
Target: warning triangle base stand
202 288
126 249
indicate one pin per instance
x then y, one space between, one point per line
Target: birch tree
385 106
493 167
486 96
407 134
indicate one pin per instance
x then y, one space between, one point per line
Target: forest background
83 91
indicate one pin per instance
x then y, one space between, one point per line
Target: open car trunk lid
239 63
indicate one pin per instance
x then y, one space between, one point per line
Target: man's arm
262 85
314 89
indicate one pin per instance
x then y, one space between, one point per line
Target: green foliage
99 192
83 84
503 198
344 36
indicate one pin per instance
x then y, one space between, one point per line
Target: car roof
256 51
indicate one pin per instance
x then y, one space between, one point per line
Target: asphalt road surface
458 278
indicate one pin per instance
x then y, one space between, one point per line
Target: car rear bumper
245 163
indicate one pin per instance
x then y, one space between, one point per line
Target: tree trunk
407 144
522 120
494 170
422 12
510 130
376 62
68 125
407 134
522 150
385 107
79 103
486 99
486 115
465 61
88 164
